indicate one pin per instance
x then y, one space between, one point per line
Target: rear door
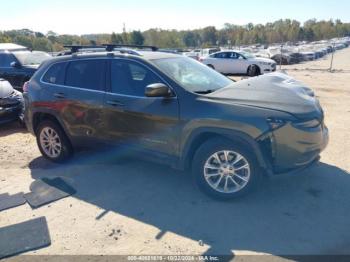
133 118
220 62
85 82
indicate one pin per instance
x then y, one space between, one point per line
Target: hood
5 88
275 91
262 59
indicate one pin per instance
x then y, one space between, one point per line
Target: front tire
253 70
53 142
225 170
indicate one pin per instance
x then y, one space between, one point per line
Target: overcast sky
105 16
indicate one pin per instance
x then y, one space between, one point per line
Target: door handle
59 95
114 103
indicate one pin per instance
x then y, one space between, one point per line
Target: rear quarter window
55 74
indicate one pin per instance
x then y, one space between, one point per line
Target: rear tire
53 142
211 66
232 163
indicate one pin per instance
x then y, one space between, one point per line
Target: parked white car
239 62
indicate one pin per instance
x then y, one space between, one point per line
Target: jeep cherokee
181 112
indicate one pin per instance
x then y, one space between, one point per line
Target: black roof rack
110 47
107 47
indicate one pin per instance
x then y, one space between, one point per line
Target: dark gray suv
179 112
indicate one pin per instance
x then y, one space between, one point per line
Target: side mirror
15 65
158 90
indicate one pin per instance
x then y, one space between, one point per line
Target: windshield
247 55
192 75
31 58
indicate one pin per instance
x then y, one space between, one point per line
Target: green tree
209 35
116 38
189 39
136 38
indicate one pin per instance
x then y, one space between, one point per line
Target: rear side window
221 55
87 74
55 74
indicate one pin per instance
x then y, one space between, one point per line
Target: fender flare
187 151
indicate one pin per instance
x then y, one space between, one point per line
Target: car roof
11 47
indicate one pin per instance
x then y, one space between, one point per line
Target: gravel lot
135 207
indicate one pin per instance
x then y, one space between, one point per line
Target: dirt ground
135 207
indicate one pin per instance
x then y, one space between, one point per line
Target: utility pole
281 57
333 51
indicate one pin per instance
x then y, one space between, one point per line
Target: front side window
129 78
6 60
192 75
233 55
87 74
55 74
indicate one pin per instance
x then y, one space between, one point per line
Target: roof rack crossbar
107 47
110 47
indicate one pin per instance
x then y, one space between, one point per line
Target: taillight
25 87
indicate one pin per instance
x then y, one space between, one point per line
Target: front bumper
295 148
8 114
269 69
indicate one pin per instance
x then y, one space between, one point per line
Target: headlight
275 123
308 124
264 63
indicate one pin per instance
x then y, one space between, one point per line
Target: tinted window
6 60
233 55
88 74
130 78
221 55
55 75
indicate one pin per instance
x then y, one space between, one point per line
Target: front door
133 118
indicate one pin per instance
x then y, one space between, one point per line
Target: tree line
280 31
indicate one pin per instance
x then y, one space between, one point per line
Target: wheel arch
38 117
198 137
254 64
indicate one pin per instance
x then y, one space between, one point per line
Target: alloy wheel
50 142
227 171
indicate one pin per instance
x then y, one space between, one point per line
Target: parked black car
11 103
177 111
283 59
296 58
17 67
